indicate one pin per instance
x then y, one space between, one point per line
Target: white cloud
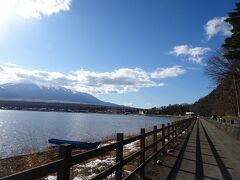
33 8
168 72
10 64
216 26
118 81
122 80
192 54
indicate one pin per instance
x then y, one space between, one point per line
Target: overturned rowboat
75 144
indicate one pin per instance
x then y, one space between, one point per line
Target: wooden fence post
65 152
168 131
163 136
189 123
172 131
119 157
181 127
155 140
142 155
175 129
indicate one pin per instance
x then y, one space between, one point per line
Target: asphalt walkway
204 153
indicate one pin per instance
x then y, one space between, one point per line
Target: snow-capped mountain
32 92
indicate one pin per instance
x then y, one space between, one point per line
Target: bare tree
221 69
217 67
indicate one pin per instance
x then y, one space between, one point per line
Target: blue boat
75 144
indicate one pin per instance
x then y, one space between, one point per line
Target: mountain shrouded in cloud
119 81
32 92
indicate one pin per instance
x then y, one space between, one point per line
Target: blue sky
133 52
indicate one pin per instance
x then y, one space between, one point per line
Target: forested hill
219 102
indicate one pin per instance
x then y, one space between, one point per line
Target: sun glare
6 11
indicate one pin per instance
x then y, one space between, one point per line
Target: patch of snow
51 178
170 151
92 175
77 178
128 172
130 147
98 163
110 176
107 143
85 177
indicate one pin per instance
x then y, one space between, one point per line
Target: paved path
204 153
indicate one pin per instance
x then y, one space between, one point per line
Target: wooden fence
66 160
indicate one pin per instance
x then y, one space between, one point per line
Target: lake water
26 131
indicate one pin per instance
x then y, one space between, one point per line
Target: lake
27 131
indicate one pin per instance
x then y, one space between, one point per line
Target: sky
137 53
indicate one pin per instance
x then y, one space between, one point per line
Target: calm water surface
25 131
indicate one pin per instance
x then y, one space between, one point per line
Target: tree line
175 109
223 68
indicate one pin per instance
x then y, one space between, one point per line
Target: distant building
141 112
189 113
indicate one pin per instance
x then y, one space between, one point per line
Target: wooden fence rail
67 160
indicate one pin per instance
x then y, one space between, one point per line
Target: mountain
32 92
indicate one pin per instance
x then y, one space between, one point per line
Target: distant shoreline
151 115
65 107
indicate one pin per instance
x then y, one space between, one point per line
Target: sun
6 11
